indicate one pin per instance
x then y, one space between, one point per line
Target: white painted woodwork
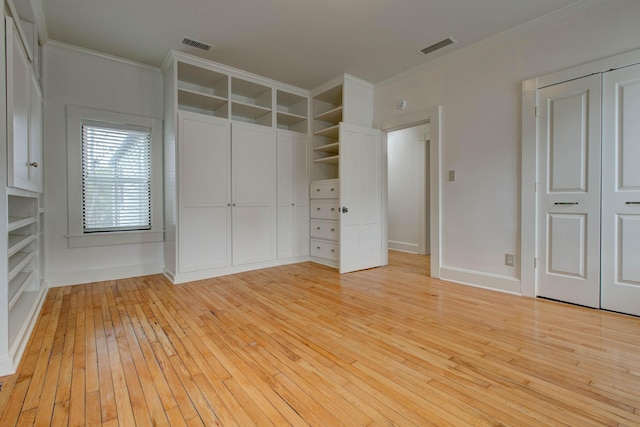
621 191
204 228
360 198
253 173
293 194
19 89
35 135
569 192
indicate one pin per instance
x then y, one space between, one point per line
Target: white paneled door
621 191
569 191
360 198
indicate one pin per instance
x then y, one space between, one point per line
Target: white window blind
116 177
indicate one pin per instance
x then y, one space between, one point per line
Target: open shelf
332 148
288 119
18 241
332 160
332 116
329 132
18 262
202 80
18 285
200 100
15 223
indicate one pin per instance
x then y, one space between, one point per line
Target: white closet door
204 194
621 191
360 198
293 195
18 98
254 193
569 192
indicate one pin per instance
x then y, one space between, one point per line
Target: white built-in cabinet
346 190
236 170
22 288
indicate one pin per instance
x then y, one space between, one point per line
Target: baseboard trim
9 364
179 278
411 248
478 279
66 278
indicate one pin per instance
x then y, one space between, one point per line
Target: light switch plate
452 175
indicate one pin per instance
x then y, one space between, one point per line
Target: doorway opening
408 190
431 208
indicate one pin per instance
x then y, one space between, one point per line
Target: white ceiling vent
195 43
446 42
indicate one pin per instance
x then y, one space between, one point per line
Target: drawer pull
333 189
333 229
317 209
318 247
317 228
333 209
317 190
333 250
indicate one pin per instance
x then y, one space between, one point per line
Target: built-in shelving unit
251 102
23 244
327 115
202 91
292 111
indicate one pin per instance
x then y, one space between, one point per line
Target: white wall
78 77
407 172
480 91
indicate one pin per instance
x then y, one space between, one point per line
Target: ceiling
300 42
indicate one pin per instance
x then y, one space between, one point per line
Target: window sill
115 238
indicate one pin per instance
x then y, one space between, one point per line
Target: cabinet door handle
34 164
333 229
566 203
317 190
318 247
333 250
632 203
317 228
293 204
333 189
345 209
317 209
333 209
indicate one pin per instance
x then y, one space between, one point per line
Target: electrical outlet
510 260
452 175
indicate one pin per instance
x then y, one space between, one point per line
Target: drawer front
325 191
326 250
325 209
329 230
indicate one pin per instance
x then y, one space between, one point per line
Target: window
114 178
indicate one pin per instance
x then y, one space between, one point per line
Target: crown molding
66 46
506 35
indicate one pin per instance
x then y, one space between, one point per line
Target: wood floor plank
302 345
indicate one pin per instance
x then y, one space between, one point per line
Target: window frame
77 237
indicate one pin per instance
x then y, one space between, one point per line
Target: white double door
227 193
589 191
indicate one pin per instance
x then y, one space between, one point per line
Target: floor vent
195 43
446 42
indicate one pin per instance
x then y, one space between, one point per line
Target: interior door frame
529 159
433 116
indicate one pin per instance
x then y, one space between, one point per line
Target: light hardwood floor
301 345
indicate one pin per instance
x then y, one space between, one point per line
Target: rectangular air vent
436 46
195 43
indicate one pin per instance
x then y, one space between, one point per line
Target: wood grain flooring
302 345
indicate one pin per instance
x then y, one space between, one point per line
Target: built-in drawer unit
324 209
329 230
324 249
325 190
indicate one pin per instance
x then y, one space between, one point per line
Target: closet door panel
621 191
253 193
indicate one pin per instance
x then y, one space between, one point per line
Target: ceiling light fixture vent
439 45
195 43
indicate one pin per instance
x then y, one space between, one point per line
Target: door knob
345 209
34 164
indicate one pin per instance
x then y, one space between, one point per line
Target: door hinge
535 263
537 113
